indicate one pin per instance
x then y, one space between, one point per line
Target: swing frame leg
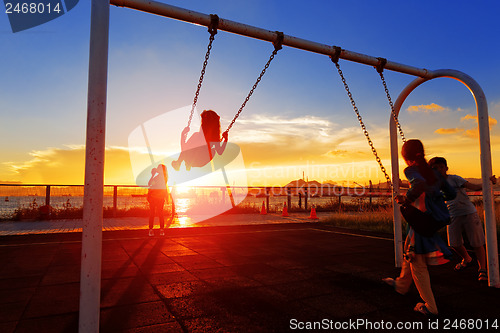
485 158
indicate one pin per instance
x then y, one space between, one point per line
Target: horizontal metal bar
474 193
186 15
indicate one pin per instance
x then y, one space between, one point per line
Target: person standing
157 196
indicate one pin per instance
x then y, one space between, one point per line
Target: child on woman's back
201 146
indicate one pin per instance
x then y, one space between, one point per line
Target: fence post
223 193
305 198
115 200
370 194
47 195
267 199
288 198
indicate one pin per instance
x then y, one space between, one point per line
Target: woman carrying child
419 250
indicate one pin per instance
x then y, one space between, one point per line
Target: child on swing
201 147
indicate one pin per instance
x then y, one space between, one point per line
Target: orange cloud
67 166
426 108
336 153
448 130
474 133
492 121
340 153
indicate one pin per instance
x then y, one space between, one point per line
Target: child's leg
462 251
475 233
177 164
455 239
481 257
422 281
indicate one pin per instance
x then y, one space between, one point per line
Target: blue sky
299 115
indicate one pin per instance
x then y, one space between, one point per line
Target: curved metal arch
486 168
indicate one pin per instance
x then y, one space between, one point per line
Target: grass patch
374 221
380 219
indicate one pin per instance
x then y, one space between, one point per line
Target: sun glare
182 189
181 205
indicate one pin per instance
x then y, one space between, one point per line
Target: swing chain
360 119
212 29
277 46
380 70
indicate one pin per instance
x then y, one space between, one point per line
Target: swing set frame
96 120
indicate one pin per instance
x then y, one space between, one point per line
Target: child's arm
479 187
220 149
473 187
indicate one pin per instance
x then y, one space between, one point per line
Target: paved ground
253 278
8 228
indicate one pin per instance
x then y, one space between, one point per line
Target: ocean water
8 208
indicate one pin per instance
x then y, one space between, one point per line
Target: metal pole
182 14
47 196
288 198
115 200
398 229
306 194
267 199
485 150
398 232
90 276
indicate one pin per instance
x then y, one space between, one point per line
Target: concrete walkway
270 277
8 228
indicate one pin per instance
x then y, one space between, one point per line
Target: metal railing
43 196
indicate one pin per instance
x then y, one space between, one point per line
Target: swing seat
195 157
195 153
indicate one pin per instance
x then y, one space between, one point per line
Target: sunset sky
299 119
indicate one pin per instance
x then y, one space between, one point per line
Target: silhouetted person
157 195
464 217
201 147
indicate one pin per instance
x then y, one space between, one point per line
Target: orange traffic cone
285 211
313 214
263 210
